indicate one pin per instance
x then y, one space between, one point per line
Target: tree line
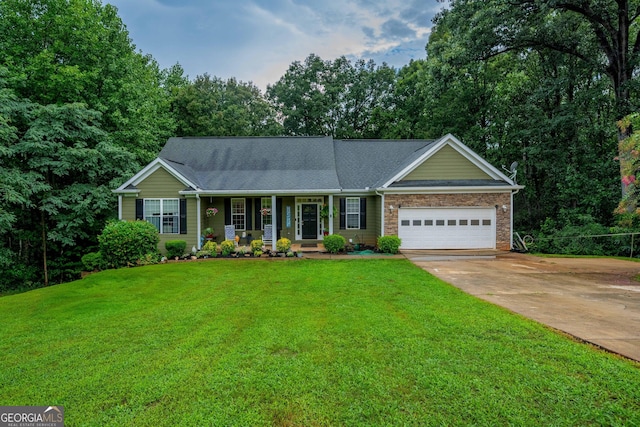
539 82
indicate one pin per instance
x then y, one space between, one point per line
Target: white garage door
447 228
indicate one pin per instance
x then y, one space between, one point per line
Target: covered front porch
303 219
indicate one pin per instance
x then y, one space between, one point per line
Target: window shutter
183 216
343 213
248 214
278 214
140 209
257 204
227 211
363 213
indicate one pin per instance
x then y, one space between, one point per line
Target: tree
209 106
335 98
76 100
67 51
549 111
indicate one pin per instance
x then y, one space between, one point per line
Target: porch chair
230 233
267 237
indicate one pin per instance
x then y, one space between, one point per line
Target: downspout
120 207
330 213
381 212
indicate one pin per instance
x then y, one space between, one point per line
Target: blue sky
257 40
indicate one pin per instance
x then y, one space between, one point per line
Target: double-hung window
353 213
164 214
238 214
265 211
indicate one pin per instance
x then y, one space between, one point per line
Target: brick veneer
503 219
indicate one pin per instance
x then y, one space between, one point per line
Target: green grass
297 342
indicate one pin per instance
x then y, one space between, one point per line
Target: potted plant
208 233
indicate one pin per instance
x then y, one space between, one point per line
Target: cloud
257 40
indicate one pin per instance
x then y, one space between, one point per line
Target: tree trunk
44 248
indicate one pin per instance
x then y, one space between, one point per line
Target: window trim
243 214
269 215
355 202
161 215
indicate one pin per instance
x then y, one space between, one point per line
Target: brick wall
503 219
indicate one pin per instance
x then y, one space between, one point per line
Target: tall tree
209 106
335 98
550 111
66 51
76 100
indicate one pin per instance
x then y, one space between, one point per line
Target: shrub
211 247
256 246
124 243
175 248
283 245
334 243
148 259
93 261
227 247
389 244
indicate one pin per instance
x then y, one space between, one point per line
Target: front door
309 221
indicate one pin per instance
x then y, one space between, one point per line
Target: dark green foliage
582 235
175 248
334 243
389 244
125 243
93 261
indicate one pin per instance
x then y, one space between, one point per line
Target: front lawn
297 342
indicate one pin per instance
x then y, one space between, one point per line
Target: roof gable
131 185
446 164
466 161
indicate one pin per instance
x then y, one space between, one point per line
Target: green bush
175 248
283 245
256 245
389 244
227 247
211 247
124 243
334 243
93 261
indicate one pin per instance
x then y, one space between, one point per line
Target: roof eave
453 189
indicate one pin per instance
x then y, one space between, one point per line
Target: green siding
162 185
447 163
369 236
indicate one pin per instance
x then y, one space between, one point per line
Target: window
267 219
439 222
164 214
353 213
417 222
451 222
428 222
238 213
405 223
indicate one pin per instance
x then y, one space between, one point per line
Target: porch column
199 222
330 213
274 223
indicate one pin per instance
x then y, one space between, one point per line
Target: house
433 194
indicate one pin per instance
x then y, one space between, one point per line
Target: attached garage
447 228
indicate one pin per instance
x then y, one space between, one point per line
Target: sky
257 40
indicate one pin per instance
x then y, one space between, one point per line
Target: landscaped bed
313 342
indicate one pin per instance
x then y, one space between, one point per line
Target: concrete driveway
595 300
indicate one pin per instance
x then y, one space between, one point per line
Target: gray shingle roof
295 163
254 164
